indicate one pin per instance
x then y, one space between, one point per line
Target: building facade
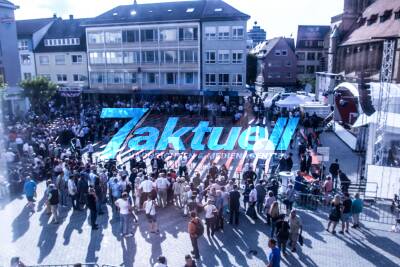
180 48
60 55
257 34
9 61
276 64
311 50
29 33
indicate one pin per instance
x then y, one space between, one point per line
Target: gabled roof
388 28
69 28
169 12
264 48
311 33
8 4
26 28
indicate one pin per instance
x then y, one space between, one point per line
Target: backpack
199 228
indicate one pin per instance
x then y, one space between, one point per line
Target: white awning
393 121
351 87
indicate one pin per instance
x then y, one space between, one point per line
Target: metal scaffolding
389 47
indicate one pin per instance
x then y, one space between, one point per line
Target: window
114 58
79 78
60 59
97 77
27 76
96 37
301 56
397 15
189 10
284 52
149 35
237 33
310 56
301 69
188 34
61 77
97 57
113 37
320 43
289 75
223 32
210 57
46 76
77 59
115 78
188 56
223 79
288 64
169 57
150 57
277 52
237 57
131 58
211 79
310 69
308 43
130 36
237 79
151 78
211 33
223 57
25 59
130 78
23 45
189 77
44 60
168 35
170 78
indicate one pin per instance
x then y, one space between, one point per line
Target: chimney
71 17
54 15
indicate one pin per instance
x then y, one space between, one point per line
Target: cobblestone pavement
38 242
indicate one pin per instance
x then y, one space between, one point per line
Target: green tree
38 90
251 69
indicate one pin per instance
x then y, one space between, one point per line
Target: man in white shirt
146 186
73 192
162 185
183 160
210 209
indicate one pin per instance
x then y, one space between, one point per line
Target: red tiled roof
388 28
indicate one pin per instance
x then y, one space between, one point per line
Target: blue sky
277 17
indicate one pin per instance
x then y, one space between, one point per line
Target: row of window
145 57
62 78
224 33
310 55
222 79
224 57
23 45
144 35
279 75
148 78
311 43
59 59
301 69
62 42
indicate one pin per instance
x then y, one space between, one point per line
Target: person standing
251 211
261 193
183 160
282 233
290 198
274 257
274 214
150 210
346 213
146 186
124 211
334 171
73 192
269 199
30 193
210 211
53 200
194 226
92 205
296 228
189 262
356 209
234 205
162 185
335 214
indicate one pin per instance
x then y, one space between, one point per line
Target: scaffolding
389 47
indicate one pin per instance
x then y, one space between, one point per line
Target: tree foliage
251 69
38 90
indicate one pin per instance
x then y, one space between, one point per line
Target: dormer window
169 10
133 12
115 14
372 19
361 21
397 14
385 16
189 10
218 9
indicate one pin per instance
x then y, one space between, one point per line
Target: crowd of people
57 148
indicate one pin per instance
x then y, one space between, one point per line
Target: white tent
393 121
293 101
